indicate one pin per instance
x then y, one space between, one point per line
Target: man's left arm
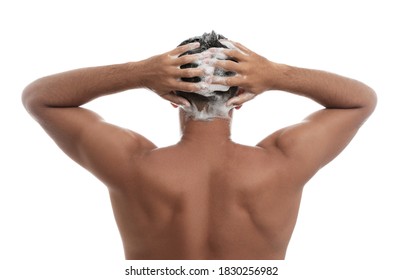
55 101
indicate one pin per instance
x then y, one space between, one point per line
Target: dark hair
207 40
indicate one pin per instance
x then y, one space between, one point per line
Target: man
205 197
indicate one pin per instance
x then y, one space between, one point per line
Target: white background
55 218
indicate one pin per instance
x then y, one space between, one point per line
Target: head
210 101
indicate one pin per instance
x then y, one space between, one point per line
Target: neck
215 131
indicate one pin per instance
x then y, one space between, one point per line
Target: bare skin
205 197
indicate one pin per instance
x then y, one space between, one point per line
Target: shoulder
109 152
263 159
138 143
289 170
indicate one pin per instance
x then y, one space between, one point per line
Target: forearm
329 90
77 87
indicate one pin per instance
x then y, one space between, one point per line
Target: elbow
371 100
31 98
26 97
368 104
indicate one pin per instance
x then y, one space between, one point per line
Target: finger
186 86
190 73
217 53
228 81
240 99
235 46
242 47
235 54
176 100
186 59
207 88
227 65
182 49
228 43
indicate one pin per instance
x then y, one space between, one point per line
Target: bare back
188 202
206 197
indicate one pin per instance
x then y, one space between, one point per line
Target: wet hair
207 41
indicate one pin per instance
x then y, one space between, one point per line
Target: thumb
240 99
176 100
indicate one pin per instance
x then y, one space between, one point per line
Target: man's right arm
321 136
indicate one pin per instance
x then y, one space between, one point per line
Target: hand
253 72
162 73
